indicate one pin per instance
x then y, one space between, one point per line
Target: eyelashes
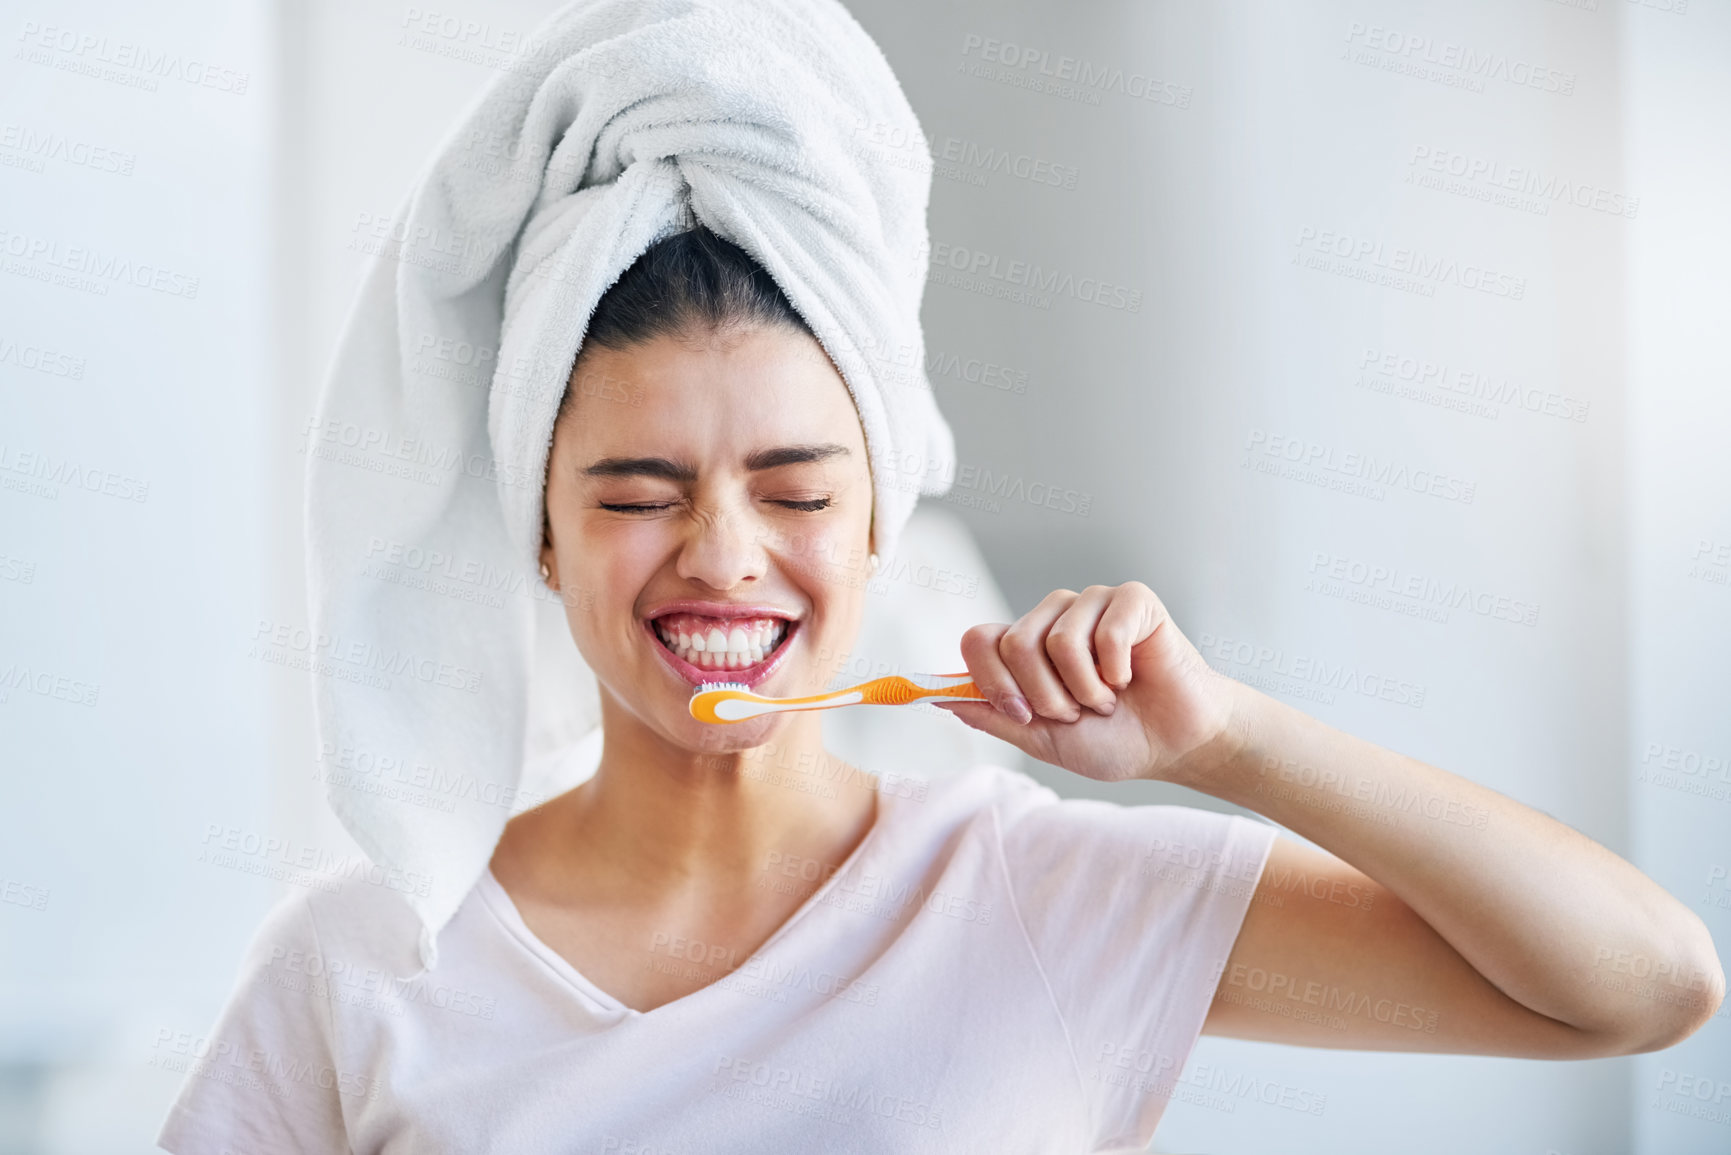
812 505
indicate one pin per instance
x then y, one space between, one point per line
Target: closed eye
809 506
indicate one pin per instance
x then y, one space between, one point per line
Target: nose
724 548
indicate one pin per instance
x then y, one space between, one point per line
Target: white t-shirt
992 969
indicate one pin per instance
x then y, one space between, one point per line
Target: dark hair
687 284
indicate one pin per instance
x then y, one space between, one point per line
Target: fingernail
1106 708
1017 707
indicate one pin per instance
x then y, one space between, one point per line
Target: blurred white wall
1677 106
136 544
1553 347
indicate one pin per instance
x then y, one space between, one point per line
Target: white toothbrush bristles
705 687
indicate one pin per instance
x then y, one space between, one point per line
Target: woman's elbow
1680 996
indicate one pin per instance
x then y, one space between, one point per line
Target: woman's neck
657 820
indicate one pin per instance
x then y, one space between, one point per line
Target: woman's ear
549 560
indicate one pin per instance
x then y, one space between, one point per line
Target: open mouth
711 649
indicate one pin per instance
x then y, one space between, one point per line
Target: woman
610 982
697 950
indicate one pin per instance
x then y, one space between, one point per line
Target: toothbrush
732 702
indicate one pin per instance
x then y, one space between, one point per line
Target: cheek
601 574
603 551
829 565
828 560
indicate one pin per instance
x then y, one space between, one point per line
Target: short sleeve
1131 912
264 1081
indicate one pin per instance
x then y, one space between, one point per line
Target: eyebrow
667 469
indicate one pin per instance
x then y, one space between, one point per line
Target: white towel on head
441 661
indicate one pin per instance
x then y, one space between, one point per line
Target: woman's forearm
1554 920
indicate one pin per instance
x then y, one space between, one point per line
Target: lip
726 610
697 675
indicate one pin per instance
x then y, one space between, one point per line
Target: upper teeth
716 645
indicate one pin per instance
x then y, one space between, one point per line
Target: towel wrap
441 662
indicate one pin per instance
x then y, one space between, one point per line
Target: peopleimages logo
42 474
354 659
224 845
1279 991
1352 472
37 147
1466 63
1366 258
970 160
1689 771
1711 562
372 771
43 254
1024 281
846 1097
23 894
16 676
1277 666
1414 594
1485 177
1069 76
40 359
403 455
109 59
1464 389
258 1070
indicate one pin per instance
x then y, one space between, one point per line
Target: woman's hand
1101 683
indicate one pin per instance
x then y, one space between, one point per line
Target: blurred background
1387 342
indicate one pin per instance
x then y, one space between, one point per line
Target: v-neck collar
499 903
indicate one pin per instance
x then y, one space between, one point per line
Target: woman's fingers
1070 646
986 665
1070 651
1023 650
1132 615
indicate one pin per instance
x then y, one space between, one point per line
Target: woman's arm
1489 927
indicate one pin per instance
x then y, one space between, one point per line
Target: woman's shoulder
329 923
1024 806
982 788
993 783
1033 822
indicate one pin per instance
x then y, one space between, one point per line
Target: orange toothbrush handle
896 690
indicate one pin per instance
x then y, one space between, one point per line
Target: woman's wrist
1217 763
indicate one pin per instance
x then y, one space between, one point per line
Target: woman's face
709 492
